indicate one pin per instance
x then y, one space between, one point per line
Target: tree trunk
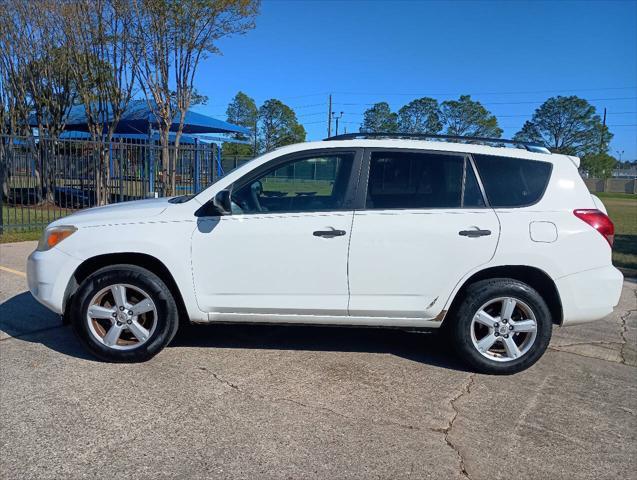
164 180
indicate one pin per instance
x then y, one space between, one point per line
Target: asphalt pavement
289 402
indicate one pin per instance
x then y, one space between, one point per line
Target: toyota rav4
495 245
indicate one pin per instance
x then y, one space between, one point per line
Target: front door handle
474 233
329 233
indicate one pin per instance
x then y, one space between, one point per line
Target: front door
283 251
424 225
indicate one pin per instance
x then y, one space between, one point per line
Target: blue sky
509 55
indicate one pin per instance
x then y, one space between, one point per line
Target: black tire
167 320
479 294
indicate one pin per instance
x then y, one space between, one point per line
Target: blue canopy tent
138 118
139 122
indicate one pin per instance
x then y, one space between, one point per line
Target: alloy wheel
504 329
121 316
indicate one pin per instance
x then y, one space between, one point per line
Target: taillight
599 221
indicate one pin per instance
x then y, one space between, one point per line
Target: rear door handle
474 233
329 233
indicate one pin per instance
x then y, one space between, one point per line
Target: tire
474 328
115 334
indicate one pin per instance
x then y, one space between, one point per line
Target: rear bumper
589 295
48 274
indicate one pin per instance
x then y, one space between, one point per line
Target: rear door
424 224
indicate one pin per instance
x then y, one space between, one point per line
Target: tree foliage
379 119
568 125
35 65
36 82
174 37
242 111
103 60
469 118
278 126
420 116
598 165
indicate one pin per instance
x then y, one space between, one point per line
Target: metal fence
43 179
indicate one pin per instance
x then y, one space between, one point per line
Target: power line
491 93
416 94
504 103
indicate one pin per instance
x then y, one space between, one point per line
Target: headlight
52 236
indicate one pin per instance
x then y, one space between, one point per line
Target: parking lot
307 402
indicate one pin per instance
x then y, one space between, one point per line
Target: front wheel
124 313
502 326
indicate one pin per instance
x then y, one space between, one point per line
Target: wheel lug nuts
130 312
496 324
496 334
505 321
119 324
510 327
121 309
130 321
114 315
506 335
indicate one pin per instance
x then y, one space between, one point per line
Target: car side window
309 184
512 182
420 180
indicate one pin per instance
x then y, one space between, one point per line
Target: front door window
311 184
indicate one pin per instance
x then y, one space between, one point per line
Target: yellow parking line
11 270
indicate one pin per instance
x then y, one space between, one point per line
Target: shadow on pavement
23 317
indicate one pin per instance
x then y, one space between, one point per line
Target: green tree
469 118
278 126
242 111
568 125
420 116
175 36
379 119
598 165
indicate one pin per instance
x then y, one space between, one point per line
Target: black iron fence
43 179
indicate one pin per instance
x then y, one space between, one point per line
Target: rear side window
512 182
413 180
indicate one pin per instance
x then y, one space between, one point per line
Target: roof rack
531 147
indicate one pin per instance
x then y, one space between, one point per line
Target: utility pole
337 119
329 116
601 136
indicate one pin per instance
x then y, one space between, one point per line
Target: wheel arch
532 276
149 262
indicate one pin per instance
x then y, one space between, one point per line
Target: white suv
495 244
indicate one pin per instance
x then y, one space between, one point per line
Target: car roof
440 146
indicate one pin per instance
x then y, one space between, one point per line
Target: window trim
361 196
350 191
484 192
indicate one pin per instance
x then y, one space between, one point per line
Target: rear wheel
124 313
502 326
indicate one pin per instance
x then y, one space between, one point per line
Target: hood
116 213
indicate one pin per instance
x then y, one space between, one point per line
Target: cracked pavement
305 402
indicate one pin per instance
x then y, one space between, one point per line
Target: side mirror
222 202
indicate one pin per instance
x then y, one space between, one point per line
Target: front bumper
48 274
589 295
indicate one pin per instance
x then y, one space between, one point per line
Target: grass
619 196
10 237
22 223
622 209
